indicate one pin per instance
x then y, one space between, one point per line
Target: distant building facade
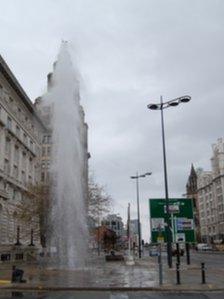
210 193
115 223
134 232
46 111
134 226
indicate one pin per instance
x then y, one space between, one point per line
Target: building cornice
4 68
212 181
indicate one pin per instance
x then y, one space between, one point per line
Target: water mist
68 217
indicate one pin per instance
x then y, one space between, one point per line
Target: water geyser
69 234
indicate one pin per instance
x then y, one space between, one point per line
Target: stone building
206 204
45 111
210 190
21 131
25 157
45 159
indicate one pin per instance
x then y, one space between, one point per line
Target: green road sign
180 219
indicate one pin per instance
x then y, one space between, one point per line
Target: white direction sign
184 224
158 224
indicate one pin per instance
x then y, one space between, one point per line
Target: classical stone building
25 157
21 131
210 193
45 111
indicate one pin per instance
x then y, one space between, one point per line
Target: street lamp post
161 106
136 177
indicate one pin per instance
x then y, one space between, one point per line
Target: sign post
181 219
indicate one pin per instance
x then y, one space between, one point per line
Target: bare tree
99 202
35 205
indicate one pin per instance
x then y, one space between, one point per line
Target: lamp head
173 104
185 99
153 106
148 173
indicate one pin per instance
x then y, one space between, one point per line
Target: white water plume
69 225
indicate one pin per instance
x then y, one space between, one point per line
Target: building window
7 146
49 139
45 139
25 138
24 160
7 167
43 151
43 165
9 123
31 165
18 131
48 150
47 176
13 194
42 176
19 112
15 171
23 177
16 155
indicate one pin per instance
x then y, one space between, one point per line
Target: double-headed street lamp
136 177
161 106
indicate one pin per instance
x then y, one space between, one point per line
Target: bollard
188 253
178 253
178 273
160 265
203 281
160 274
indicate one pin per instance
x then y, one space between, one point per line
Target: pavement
117 276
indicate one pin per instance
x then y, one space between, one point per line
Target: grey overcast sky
130 52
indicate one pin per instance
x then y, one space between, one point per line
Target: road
111 295
211 260
214 268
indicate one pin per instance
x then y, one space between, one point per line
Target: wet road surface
110 295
